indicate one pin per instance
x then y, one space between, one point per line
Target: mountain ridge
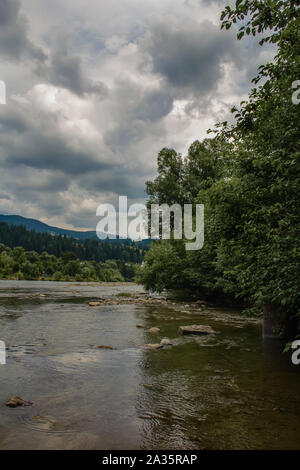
38 226
41 227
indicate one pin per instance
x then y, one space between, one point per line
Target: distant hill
33 224
41 227
59 245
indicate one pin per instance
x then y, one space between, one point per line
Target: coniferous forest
26 254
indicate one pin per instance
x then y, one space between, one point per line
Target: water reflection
224 391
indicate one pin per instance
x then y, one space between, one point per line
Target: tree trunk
276 325
272 326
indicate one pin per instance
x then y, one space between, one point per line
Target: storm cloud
95 92
14 41
189 57
65 69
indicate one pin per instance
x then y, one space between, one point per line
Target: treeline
247 177
90 250
16 263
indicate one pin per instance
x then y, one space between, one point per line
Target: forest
89 250
16 263
26 254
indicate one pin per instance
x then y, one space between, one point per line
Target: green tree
30 270
249 183
258 208
206 163
72 268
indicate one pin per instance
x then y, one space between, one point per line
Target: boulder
196 330
139 325
166 342
13 402
94 304
154 330
103 346
153 346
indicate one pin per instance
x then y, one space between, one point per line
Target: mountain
37 226
13 236
33 224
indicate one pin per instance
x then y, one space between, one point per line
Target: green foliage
20 264
30 270
248 179
168 265
277 16
69 248
259 254
162 268
72 268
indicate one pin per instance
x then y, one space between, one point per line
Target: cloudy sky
96 88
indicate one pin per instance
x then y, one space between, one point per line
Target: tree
30 270
259 205
162 269
69 256
248 179
32 256
206 163
72 268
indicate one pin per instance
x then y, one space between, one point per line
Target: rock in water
43 423
153 346
103 346
139 325
13 402
166 342
94 304
154 330
196 330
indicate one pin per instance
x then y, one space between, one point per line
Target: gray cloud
209 2
36 149
189 57
69 141
39 158
49 153
154 105
65 69
14 41
59 67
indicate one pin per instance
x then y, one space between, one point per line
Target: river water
230 390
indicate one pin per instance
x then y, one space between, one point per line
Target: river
229 390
